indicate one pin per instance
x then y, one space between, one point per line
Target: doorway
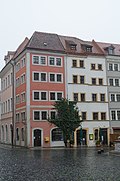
81 137
103 136
37 137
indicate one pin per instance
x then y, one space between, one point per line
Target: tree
67 118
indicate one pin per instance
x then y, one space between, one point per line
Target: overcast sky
85 19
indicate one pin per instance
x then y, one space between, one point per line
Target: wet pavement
58 165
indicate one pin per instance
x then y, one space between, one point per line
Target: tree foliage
67 118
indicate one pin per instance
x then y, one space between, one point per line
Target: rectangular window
100 81
43 115
112 97
93 81
17 117
74 63
22 78
36 115
52 96
36 76
23 116
43 60
111 82
82 63
23 62
110 66
75 96
8 80
118 115
82 96
36 96
115 67
52 77
83 115
113 115
23 97
59 78
99 66
103 116
93 66
59 96
35 59
52 114
58 61
43 77
51 60
43 96
116 82
95 115
102 97
75 79
118 97
94 97
82 79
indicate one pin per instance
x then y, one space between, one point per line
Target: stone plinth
117 145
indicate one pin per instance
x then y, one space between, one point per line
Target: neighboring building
112 52
86 83
6 76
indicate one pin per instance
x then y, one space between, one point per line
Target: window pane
94 97
112 97
36 115
43 60
58 61
99 66
43 76
94 81
52 61
93 66
118 97
113 115
52 77
111 82
43 96
59 78
118 115
81 63
75 96
110 66
81 79
75 79
83 115
36 59
74 63
59 96
95 116
102 97
116 82
36 76
52 114
52 96
82 97
57 135
116 67
36 95
44 115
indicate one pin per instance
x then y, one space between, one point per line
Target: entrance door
81 137
37 137
103 136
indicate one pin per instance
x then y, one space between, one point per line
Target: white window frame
55 95
56 77
32 59
39 113
45 60
55 63
33 76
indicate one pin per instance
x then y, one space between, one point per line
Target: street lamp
13 102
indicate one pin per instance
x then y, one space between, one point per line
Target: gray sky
85 19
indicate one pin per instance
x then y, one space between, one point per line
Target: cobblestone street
58 165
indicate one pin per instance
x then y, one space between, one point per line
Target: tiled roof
45 41
21 47
103 46
80 43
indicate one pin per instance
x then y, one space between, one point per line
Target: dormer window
73 46
110 50
86 47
